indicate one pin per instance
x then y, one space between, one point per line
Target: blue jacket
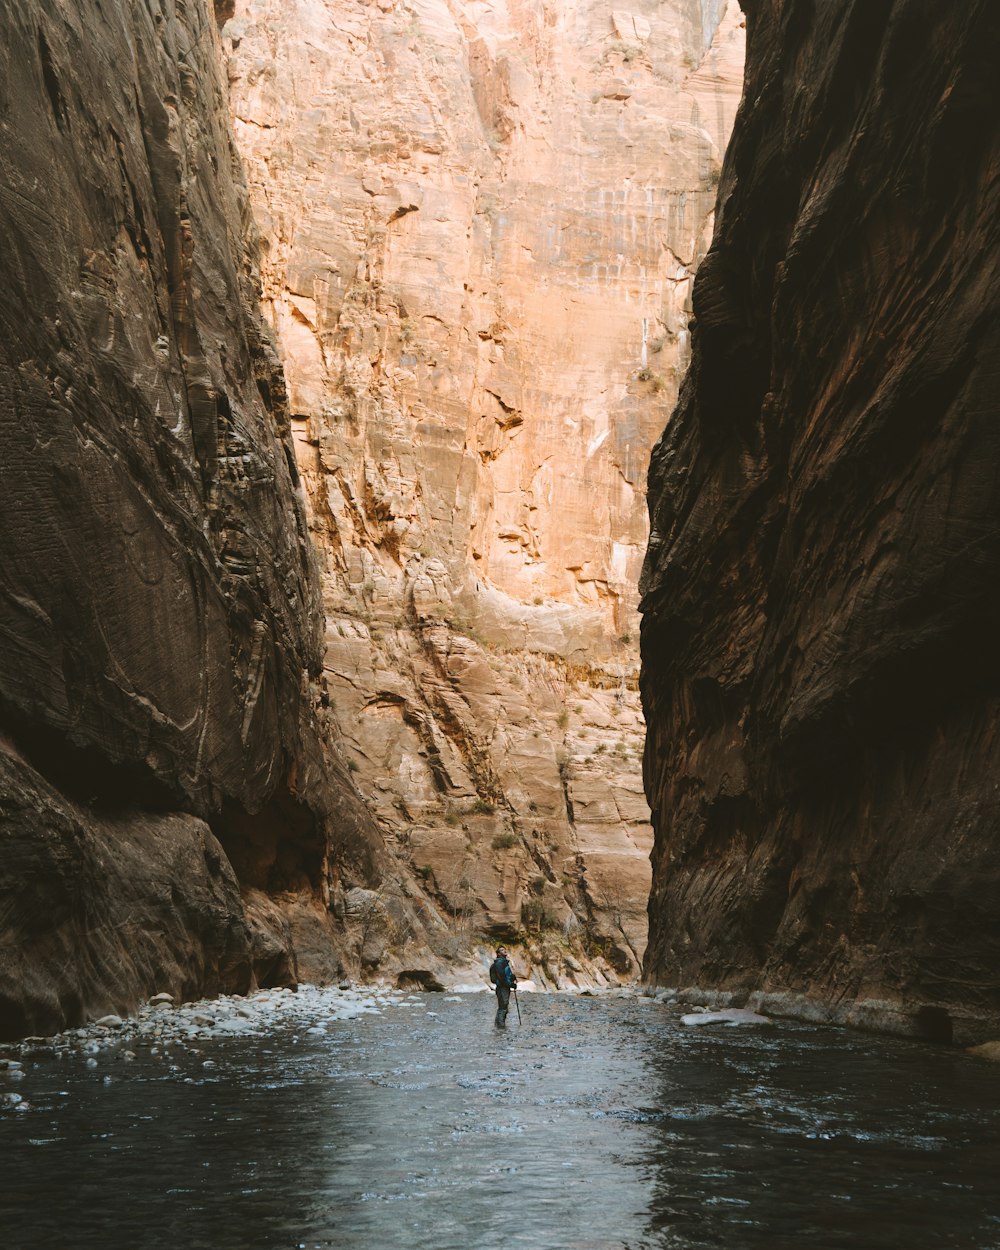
501 973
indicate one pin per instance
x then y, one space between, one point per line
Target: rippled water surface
600 1122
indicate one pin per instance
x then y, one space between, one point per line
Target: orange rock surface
480 224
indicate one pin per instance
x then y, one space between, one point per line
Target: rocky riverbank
180 1035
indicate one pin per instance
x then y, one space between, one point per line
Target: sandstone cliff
159 604
481 225
821 609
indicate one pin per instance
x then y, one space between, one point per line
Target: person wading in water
504 980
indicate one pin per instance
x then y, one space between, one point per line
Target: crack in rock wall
481 225
821 608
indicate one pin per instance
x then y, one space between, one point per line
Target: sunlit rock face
159 604
481 226
821 590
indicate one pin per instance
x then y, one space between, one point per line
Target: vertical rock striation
159 607
821 602
482 226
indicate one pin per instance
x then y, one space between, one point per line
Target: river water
598 1122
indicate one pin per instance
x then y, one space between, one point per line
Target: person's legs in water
503 1002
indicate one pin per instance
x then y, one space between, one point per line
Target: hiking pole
517 1005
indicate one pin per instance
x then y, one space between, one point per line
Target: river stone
109 1022
731 1016
234 1026
419 978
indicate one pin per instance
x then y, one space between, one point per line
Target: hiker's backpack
501 973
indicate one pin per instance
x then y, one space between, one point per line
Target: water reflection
800 1136
600 1123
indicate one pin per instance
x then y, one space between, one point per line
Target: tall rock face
482 224
821 603
159 604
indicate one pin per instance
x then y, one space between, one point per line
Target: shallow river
598 1123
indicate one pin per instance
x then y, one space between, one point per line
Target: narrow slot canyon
488 476
479 235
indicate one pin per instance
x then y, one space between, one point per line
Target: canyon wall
163 772
481 223
821 602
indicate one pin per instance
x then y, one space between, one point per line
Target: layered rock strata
821 606
481 227
162 771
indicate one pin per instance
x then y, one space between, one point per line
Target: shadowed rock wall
159 611
822 587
